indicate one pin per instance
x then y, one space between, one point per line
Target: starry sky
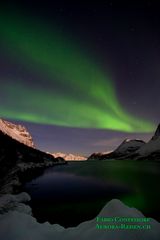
80 76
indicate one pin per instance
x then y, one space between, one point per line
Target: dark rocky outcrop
13 153
96 156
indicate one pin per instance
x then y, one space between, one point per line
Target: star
132 29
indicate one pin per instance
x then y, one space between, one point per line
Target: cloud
108 143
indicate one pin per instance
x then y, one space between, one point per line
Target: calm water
73 193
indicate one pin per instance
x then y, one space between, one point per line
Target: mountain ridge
17 132
16 158
134 149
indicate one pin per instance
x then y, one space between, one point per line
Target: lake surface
76 192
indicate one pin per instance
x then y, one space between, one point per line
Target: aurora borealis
70 69
52 78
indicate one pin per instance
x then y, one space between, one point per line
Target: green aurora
75 92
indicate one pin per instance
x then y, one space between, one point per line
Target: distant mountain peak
69 156
17 132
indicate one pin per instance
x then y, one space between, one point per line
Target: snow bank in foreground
16 225
10 202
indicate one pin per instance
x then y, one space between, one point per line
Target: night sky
81 76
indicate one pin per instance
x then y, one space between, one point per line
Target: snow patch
10 202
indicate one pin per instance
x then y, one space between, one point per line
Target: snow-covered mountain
129 146
152 147
125 149
134 149
69 156
139 150
16 132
